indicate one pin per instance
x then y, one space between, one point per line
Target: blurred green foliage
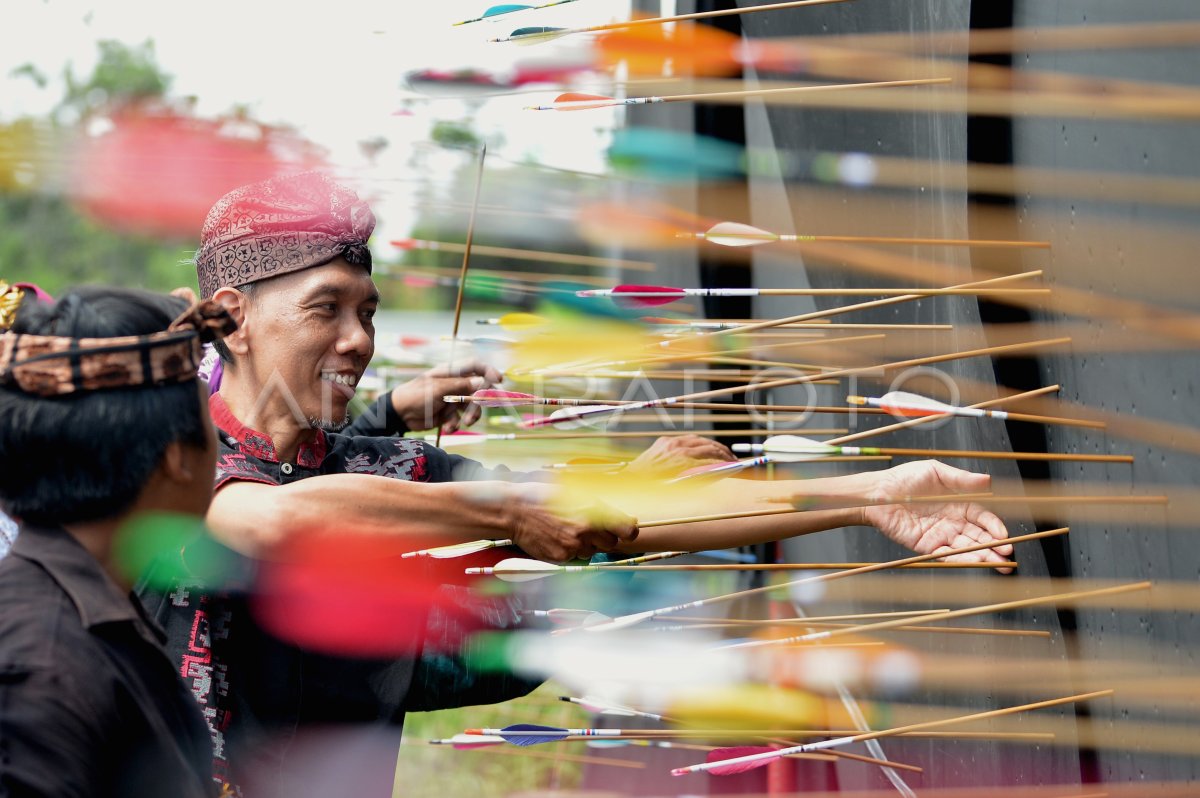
43 238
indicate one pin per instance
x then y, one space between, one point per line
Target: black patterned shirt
253 687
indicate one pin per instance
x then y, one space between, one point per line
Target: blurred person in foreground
102 420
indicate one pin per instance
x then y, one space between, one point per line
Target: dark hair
87 457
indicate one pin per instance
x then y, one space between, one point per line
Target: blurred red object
352 594
159 172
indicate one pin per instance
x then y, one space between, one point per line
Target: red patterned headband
54 366
279 226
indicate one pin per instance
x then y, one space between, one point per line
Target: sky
332 70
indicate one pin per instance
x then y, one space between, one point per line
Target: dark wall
1129 248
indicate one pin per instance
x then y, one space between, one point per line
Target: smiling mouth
342 383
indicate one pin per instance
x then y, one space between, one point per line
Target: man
102 420
288 258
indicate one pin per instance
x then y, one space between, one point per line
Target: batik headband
280 226
10 300
54 366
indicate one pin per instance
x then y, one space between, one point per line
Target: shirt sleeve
455 668
50 741
446 467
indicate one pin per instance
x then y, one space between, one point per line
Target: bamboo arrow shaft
828 577
899 364
913 422
986 455
981 610
806 566
762 325
466 261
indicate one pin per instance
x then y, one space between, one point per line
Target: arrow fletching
910 404
569 418
467 742
518 569
542 734
797 448
457 549
492 397
576 101
667 295
532 35
734 234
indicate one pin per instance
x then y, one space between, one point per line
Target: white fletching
734 234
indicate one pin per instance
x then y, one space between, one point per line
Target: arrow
466 260
520 569
817 314
637 296
517 399
795 448
604 708
541 34
457 549
467 742
720 469
527 734
911 405
946 615
496 11
574 101
816 325
718 765
836 373
523 254
516 321
467 437
563 617
735 234
625 621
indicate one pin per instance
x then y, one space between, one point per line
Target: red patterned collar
258 444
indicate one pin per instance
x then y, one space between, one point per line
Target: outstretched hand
928 528
419 401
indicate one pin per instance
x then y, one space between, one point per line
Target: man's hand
927 528
671 455
546 536
419 401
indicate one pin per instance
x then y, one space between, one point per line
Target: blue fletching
728 556
535 31
496 11
514 736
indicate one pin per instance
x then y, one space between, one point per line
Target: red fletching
673 295
721 754
351 594
910 411
592 100
492 397
404 243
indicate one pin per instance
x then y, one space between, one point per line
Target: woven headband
55 366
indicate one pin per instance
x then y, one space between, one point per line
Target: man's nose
356 338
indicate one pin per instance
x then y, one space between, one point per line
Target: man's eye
369 314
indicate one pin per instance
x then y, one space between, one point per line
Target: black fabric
258 692
378 420
89 702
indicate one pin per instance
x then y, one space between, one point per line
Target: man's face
310 336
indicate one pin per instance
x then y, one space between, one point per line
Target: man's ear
236 303
176 466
